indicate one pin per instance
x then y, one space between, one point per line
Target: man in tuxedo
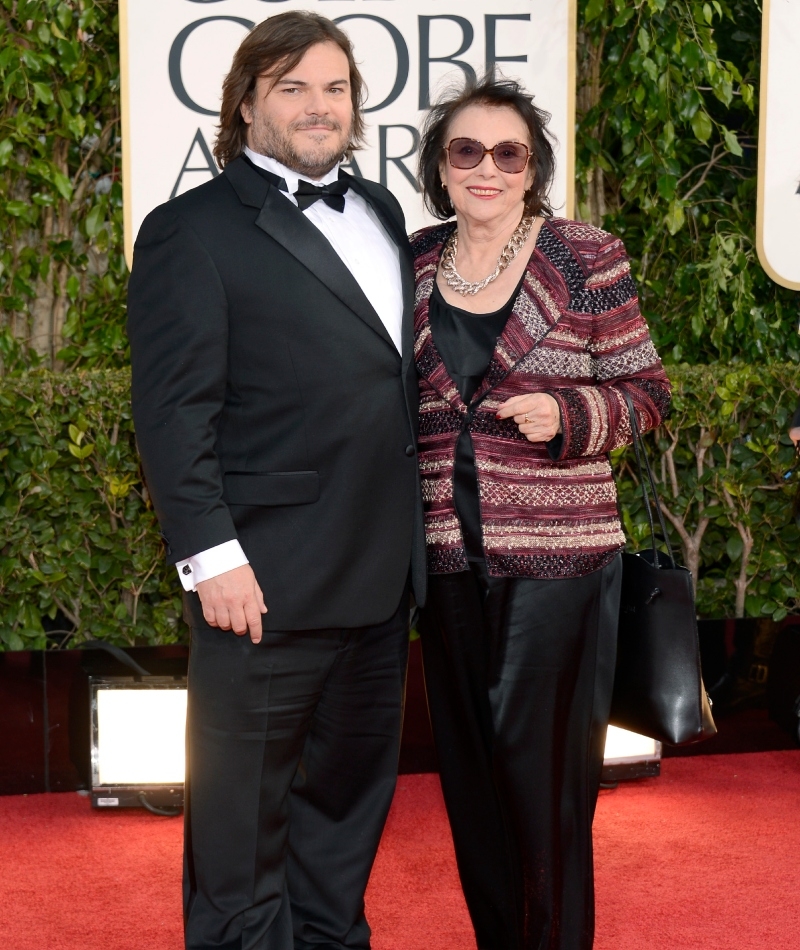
275 402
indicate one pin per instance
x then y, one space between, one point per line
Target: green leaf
63 184
86 451
649 66
623 17
95 220
691 54
77 126
701 126
734 547
64 17
666 186
17 208
42 93
676 217
75 434
6 149
593 9
732 143
12 639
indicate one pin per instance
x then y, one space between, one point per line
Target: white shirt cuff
207 564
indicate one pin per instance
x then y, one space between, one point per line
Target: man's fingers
260 597
253 617
234 601
238 620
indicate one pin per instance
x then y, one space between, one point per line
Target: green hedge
80 543
728 482
81 547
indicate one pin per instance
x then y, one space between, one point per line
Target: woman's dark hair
494 93
274 48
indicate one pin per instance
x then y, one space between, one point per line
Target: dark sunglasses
510 157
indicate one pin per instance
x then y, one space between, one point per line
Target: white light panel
622 745
140 736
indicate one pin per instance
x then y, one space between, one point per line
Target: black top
231 274
466 342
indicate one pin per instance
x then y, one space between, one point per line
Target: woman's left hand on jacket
536 414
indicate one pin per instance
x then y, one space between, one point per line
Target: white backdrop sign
778 231
175 54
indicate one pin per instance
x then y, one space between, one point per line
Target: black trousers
519 674
292 760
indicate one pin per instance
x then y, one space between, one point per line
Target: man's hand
536 414
233 601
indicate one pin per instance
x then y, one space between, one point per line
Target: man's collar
289 176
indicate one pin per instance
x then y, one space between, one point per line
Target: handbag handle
639 449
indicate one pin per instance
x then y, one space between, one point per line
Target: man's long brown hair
274 48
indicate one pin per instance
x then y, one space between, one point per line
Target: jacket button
410 450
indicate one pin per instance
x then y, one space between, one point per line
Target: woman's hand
536 414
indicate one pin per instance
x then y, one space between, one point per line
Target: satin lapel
287 225
540 302
399 236
430 364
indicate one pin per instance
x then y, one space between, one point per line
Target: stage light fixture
629 755
138 745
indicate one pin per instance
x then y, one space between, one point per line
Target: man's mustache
313 123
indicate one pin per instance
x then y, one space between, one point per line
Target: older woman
528 340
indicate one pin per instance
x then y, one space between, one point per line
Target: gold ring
526 417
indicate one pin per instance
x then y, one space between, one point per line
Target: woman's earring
444 185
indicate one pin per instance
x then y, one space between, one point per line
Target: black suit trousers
292 761
519 674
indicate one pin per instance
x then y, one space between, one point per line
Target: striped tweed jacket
576 333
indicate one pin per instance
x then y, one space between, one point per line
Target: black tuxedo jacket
271 405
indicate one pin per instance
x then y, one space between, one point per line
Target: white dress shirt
373 258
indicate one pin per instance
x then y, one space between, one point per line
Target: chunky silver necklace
470 287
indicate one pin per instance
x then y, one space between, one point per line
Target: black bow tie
332 195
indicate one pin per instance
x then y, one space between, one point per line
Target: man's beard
315 160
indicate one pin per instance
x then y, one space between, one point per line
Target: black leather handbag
658 688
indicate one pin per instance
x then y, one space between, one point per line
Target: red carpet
706 857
